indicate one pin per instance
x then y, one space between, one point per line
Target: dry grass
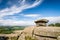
30 38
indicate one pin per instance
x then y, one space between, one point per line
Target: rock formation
41 32
41 22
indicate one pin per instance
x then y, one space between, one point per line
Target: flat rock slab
47 31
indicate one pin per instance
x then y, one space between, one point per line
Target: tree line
55 24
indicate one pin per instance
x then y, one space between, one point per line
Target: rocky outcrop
47 33
8 36
34 33
42 33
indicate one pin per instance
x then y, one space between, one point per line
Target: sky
25 12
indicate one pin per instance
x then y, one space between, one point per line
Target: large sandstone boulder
41 33
29 30
27 33
47 33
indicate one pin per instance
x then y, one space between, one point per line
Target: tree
51 25
57 24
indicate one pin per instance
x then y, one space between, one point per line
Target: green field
10 29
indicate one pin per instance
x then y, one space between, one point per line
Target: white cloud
29 22
31 15
15 23
14 9
11 11
52 19
37 2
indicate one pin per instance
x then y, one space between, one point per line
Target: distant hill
10 29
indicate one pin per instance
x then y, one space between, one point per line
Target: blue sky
25 12
46 8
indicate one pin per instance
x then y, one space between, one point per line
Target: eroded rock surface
42 33
35 33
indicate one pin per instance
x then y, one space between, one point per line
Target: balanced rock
41 22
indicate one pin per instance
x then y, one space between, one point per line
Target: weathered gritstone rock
29 30
42 33
58 37
47 31
44 38
10 36
22 37
13 36
27 34
35 33
41 22
50 33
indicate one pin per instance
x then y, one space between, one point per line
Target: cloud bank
16 23
29 22
18 8
52 19
31 15
14 9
